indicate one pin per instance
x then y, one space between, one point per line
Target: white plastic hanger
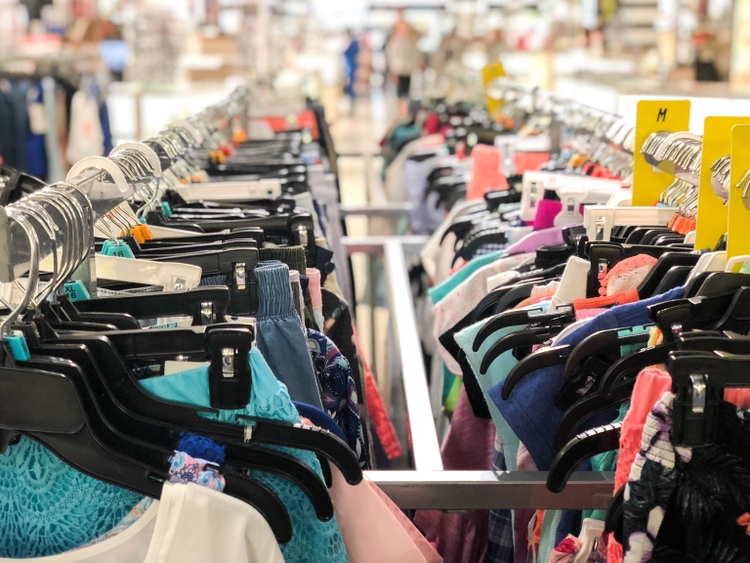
709 262
172 276
105 164
231 191
736 261
534 184
599 220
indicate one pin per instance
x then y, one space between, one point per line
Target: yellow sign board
712 211
653 116
489 73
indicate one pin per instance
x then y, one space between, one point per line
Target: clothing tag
172 367
166 208
37 119
18 347
76 291
117 248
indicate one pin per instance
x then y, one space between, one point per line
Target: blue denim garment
280 336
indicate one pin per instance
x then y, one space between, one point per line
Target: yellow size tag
738 243
712 213
653 116
489 74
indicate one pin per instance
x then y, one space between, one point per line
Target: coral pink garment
585 314
485 172
428 551
599 302
381 420
370 531
468 445
626 275
529 161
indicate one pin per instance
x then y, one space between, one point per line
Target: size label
76 291
712 212
653 116
117 248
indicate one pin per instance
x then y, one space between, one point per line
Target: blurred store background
78 77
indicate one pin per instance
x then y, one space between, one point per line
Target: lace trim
626 275
49 508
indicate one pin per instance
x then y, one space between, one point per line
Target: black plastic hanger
602 342
581 448
698 381
486 307
522 317
72 428
628 367
553 356
717 282
207 305
682 315
170 343
520 339
128 423
591 404
236 265
675 277
492 235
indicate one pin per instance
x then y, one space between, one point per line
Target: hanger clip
696 410
229 374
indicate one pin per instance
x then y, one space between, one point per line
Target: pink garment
546 212
532 241
584 314
428 551
522 518
370 531
566 550
485 172
314 287
468 445
529 161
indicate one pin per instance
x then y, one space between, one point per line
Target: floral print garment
652 480
339 391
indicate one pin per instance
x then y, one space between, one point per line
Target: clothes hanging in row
208 400
553 352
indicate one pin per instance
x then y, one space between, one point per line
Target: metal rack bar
477 490
422 425
395 209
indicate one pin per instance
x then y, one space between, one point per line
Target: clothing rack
104 182
428 485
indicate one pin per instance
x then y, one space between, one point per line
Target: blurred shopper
351 55
403 58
